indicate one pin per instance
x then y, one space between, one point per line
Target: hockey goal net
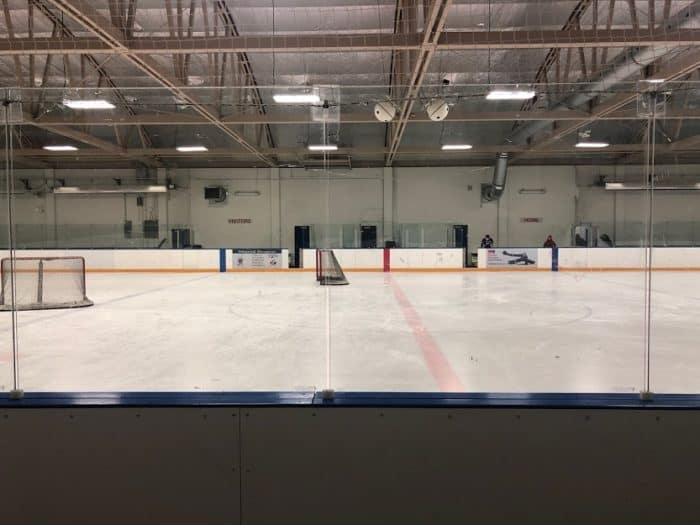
328 271
43 283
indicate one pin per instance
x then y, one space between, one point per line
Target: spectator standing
487 241
549 243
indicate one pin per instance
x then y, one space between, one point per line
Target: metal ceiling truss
318 43
364 117
411 57
553 58
436 14
681 66
61 28
116 40
247 70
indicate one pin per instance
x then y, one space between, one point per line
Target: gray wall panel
484 466
313 464
119 466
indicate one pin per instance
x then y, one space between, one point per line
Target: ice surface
497 332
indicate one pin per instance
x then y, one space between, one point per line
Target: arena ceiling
205 72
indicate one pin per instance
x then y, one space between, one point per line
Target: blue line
555 259
222 259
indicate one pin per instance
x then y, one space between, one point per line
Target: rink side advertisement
511 257
257 258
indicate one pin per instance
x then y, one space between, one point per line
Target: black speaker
302 240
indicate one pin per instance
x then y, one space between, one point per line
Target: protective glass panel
672 203
180 256
443 236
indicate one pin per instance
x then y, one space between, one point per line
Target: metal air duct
494 190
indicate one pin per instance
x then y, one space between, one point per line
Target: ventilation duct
493 191
629 63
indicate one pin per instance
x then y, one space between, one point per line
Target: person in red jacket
549 243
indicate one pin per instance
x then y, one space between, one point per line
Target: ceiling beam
433 26
84 138
85 13
365 117
553 57
60 24
454 41
244 63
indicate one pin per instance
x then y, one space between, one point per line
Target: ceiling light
322 147
246 193
456 147
112 189
300 98
589 144
60 148
88 104
191 149
502 94
655 80
636 187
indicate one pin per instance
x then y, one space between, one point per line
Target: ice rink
462 331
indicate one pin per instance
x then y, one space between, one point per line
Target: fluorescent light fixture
299 98
512 94
623 186
655 80
532 191
60 148
113 189
246 193
589 144
88 104
191 149
323 147
456 147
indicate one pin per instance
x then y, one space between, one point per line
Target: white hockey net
43 283
328 271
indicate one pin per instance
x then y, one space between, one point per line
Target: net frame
328 270
7 265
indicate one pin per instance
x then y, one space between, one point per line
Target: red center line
436 361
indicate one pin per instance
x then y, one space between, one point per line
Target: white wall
211 221
310 197
622 214
453 195
290 197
